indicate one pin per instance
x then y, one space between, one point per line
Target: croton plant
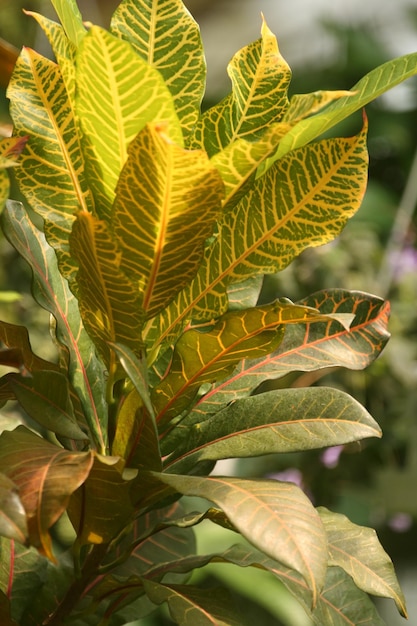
155 224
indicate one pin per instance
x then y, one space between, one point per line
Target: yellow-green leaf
165 35
306 104
303 201
71 19
117 94
51 175
260 79
167 200
108 300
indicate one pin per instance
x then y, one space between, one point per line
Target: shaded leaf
165 35
310 347
45 396
52 173
191 606
288 420
85 370
108 300
375 83
5 616
19 354
260 79
102 506
357 550
167 200
117 94
10 149
12 514
275 517
45 475
274 222
136 370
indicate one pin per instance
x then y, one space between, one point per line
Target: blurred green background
374 483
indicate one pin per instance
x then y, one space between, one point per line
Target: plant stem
76 590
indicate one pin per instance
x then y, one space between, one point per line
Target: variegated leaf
167 200
260 79
117 94
165 35
108 300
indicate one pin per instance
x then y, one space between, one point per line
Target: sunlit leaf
86 371
260 79
275 517
71 19
52 173
367 89
165 35
306 104
108 300
45 475
167 200
12 514
117 94
310 347
192 606
287 420
357 550
303 201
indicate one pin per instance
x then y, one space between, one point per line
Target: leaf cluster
159 222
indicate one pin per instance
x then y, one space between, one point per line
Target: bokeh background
329 45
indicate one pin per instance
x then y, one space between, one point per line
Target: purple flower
330 457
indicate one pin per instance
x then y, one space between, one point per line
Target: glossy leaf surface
165 35
12 514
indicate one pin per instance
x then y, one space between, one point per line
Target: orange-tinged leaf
45 475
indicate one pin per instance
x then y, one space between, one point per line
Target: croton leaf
311 347
167 201
101 507
165 35
274 222
45 396
117 94
19 353
85 370
109 302
45 475
357 550
10 149
260 79
12 514
209 354
193 606
71 19
275 517
375 83
52 173
287 420
306 104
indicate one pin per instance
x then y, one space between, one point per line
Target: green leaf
10 149
52 173
374 84
19 354
165 35
357 550
275 517
260 79
71 19
311 347
117 94
167 201
45 475
191 606
45 397
12 514
288 420
273 223
306 104
109 302
85 370
5 611
137 371
102 507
